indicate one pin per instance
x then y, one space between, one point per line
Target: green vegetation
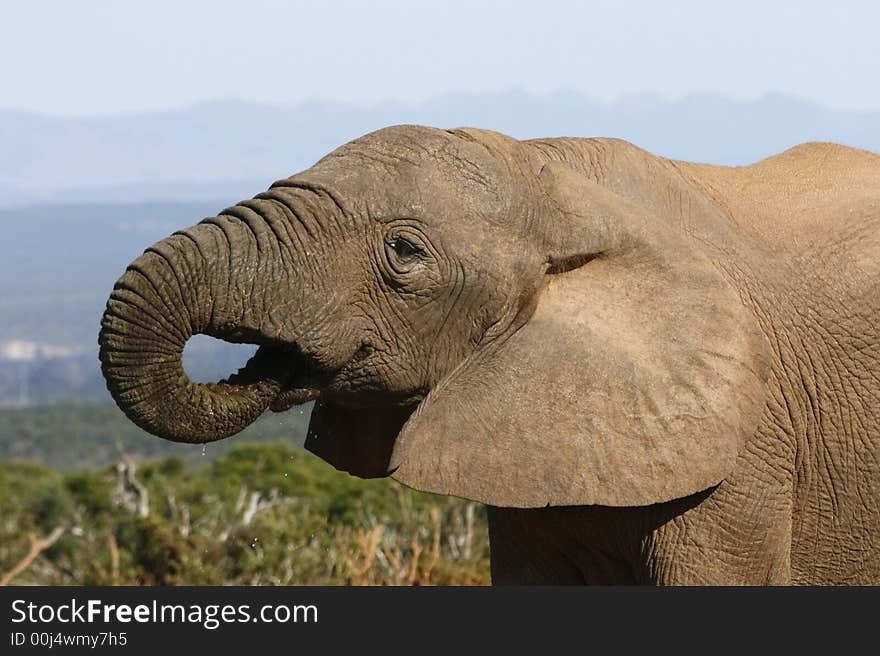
94 434
249 513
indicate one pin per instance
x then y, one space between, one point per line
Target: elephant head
468 318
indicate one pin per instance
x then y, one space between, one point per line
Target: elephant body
650 371
802 504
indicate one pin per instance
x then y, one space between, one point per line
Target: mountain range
230 149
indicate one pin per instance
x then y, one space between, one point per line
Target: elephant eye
403 249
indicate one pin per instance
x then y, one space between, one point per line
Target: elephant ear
637 380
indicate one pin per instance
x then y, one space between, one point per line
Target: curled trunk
197 281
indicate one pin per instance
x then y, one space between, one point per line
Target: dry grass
380 557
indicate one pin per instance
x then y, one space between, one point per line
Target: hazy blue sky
84 57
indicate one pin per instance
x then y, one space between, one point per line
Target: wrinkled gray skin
651 371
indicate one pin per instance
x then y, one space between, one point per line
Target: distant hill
234 149
60 261
71 436
58 265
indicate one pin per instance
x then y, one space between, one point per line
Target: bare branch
114 559
37 547
130 492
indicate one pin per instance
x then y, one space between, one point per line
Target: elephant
650 371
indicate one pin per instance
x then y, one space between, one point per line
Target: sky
89 58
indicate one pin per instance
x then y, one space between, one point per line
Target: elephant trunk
197 281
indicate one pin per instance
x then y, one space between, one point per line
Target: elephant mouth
289 397
285 370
